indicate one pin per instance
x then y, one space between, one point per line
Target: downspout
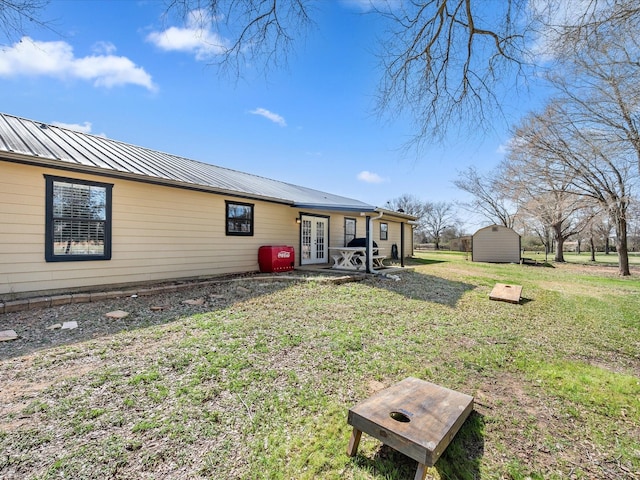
370 220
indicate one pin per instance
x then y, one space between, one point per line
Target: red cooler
276 258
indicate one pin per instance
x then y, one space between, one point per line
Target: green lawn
585 258
260 388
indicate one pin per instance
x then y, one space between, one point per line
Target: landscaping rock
196 301
69 325
8 335
55 326
117 314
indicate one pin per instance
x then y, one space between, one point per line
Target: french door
314 239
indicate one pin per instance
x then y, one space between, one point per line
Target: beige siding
337 231
496 244
158 233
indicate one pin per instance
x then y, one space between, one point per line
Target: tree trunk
621 245
606 246
593 249
559 241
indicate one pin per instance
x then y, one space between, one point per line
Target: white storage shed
496 244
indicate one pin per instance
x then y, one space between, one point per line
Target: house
497 244
80 212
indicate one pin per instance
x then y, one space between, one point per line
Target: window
349 230
384 231
239 218
78 220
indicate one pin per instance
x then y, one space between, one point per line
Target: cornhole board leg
352 449
354 441
421 472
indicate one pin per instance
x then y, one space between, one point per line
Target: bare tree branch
261 32
489 199
442 67
15 15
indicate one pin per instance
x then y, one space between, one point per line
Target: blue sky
120 69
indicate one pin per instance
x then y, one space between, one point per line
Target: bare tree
533 225
633 218
601 85
411 205
597 231
16 14
598 170
407 203
560 212
489 199
580 29
589 134
438 218
532 182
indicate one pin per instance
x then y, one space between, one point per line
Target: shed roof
36 142
497 228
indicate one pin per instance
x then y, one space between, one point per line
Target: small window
349 230
384 231
239 218
78 220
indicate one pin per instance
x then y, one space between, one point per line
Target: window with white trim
384 231
349 230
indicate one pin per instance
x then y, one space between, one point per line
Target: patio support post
402 244
368 249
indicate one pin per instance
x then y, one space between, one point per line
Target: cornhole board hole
414 417
506 293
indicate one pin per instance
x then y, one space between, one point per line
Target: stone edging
57 300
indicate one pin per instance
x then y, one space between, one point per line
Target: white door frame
314 239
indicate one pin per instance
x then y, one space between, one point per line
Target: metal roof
28 140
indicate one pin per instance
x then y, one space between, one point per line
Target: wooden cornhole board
506 293
414 417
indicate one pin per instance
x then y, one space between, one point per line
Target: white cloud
274 117
84 128
29 57
196 38
369 177
106 48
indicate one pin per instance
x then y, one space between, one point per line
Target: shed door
314 240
